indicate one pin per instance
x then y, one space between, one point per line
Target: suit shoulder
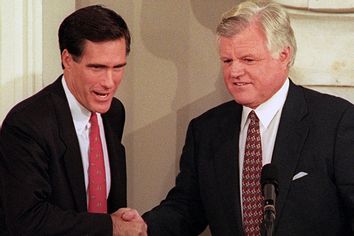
115 116
116 110
221 117
38 112
223 110
319 100
35 106
117 104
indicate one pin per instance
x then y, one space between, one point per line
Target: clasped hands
127 222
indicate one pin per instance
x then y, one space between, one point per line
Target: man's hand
128 222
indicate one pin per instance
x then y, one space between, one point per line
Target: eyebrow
104 66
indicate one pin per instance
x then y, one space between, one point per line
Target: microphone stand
269 185
268 220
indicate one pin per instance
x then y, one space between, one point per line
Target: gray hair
270 16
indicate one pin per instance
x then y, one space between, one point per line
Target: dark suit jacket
43 189
315 135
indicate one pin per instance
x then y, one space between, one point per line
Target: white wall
54 12
29 51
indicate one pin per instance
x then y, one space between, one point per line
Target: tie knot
252 116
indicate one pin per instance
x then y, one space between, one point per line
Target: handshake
127 221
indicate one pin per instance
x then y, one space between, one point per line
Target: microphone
269 185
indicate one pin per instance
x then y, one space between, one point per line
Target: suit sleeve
181 213
344 162
26 188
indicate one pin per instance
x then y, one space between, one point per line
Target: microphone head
269 175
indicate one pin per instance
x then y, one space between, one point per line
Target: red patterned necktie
97 174
251 190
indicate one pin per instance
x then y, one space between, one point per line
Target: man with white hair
306 135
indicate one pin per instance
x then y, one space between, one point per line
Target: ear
285 55
66 59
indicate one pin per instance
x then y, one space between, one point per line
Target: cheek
118 77
86 83
227 80
226 72
117 83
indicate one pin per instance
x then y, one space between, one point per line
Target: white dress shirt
81 117
269 114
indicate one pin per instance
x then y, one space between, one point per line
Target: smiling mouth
240 83
102 95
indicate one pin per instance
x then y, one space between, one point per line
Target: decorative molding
321 6
324 35
21 51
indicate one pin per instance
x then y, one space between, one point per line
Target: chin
100 109
240 101
243 102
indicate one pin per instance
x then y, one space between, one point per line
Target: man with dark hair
62 162
308 136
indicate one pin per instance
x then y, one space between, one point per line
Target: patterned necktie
97 174
251 190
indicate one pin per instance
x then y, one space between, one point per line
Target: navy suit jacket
43 189
315 136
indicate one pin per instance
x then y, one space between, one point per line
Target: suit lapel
292 132
116 153
227 165
72 155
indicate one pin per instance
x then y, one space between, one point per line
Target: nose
108 80
236 69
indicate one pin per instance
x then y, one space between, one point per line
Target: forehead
107 52
250 40
103 47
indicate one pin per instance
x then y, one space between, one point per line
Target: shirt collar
267 110
80 114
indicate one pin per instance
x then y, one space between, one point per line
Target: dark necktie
251 190
97 174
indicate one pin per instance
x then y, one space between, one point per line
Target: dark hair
94 23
